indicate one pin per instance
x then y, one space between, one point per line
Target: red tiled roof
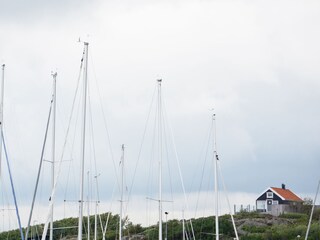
286 194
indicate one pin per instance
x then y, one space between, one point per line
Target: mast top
54 74
159 80
213 114
84 42
3 65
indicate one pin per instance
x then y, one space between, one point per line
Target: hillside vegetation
249 225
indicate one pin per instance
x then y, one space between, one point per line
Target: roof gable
260 195
286 194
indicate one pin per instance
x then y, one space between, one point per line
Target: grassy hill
249 225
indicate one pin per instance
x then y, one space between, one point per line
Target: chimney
283 186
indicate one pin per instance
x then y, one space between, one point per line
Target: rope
68 128
95 162
12 186
109 143
313 205
39 169
94 149
45 229
149 182
225 189
140 150
5 199
203 168
180 174
104 118
71 164
165 120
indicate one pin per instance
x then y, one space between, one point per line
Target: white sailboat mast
121 199
84 96
183 227
54 75
312 209
88 205
95 220
215 158
1 115
96 209
160 157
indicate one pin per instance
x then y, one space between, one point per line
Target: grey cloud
258 72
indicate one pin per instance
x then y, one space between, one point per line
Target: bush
244 214
293 215
255 229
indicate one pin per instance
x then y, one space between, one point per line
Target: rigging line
205 203
39 197
4 195
230 212
218 199
187 230
90 113
40 167
151 166
107 222
151 163
125 211
45 229
167 152
2 192
99 215
204 164
97 195
313 205
152 156
180 173
149 182
204 150
71 163
12 186
104 118
165 121
143 136
93 146
5 199
111 203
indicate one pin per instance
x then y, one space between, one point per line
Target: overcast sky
255 62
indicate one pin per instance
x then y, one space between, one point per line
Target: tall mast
96 208
215 158
121 199
85 75
160 157
312 209
54 75
88 205
2 142
95 220
183 227
1 114
38 176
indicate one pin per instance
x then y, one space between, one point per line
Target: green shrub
293 215
255 229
